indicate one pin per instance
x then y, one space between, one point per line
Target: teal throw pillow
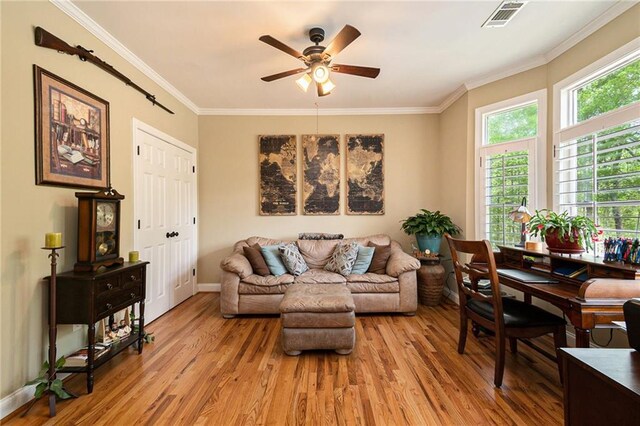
365 254
271 255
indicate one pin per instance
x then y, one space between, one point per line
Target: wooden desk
601 386
588 303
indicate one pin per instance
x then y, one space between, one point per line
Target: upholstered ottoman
318 316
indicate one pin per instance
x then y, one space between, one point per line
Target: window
597 148
510 163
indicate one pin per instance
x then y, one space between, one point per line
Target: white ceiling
209 51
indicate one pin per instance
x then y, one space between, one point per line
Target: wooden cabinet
601 386
88 297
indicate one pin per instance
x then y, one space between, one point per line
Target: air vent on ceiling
504 13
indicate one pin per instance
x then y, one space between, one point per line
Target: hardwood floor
205 370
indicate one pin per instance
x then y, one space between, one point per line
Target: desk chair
506 317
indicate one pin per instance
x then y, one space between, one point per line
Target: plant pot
431 242
557 244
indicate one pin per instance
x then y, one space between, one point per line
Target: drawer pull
109 286
133 295
134 278
109 306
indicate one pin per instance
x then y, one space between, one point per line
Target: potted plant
429 227
564 233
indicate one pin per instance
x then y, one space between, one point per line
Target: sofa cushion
379 239
372 283
343 258
317 252
254 255
269 280
365 255
370 277
292 259
380 258
244 288
320 276
274 261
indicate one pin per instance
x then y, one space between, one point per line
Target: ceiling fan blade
356 70
283 74
281 46
320 91
344 38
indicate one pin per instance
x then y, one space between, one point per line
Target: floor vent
504 13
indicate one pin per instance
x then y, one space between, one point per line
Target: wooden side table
430 281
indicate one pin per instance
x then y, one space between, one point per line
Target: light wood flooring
205 370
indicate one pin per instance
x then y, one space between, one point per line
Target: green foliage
513 124
43 382
546 220
429 223
612 91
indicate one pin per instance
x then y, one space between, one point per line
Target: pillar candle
134 256
53 239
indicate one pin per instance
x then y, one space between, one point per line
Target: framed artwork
365 174
72 134
321 174
278 175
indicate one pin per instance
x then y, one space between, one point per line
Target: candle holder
53 331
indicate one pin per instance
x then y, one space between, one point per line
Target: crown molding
609 15
103 35
454 96
321 111
508 72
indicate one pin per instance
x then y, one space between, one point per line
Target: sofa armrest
401 262
237 264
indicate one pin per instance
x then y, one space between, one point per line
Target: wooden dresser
88 297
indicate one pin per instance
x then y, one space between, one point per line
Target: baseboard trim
15 400
208 287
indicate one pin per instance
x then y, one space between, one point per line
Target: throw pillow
380 257
292 259
271 255
365 255
254 256
343 258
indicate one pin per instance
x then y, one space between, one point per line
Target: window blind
598 175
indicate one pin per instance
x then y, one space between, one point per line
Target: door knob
169 235
177 233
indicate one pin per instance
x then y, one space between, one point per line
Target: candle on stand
53 239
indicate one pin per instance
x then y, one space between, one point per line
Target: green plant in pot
429 227
564 233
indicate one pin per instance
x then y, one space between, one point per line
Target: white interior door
164 181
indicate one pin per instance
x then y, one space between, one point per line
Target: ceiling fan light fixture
304 82
328 86
320 73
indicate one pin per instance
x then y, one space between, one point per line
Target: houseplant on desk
429 227
564 233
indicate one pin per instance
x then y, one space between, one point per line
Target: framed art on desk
72 134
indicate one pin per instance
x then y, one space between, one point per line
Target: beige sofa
243 292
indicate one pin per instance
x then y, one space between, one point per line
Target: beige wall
27 210
228 179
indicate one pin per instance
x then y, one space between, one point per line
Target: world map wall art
278 174
321 174
365 174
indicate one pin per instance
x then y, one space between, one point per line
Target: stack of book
79 358
576 271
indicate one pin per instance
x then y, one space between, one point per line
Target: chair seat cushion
517 313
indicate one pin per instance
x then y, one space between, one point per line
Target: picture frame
365 174
278 175
71 134
321 174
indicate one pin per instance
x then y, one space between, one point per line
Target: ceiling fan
317 60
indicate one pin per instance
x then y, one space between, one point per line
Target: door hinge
480 161
194 272
138 223
138 147
194 220
194 169
554 151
